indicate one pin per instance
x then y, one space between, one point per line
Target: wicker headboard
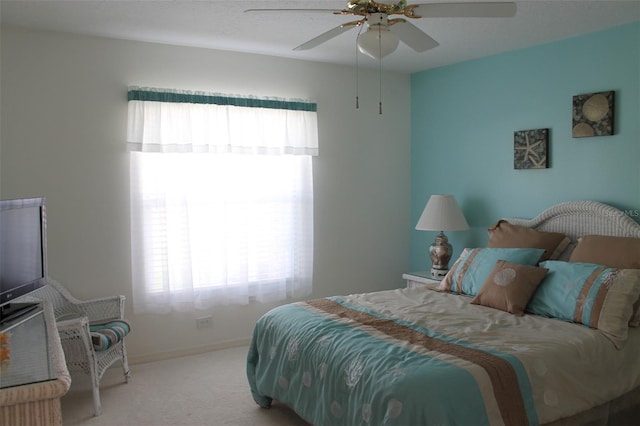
578 218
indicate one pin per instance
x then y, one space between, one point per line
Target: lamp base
440 252
438 274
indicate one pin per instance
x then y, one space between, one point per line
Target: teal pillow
585 293
569 290
473 267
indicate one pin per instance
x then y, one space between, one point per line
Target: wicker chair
74 318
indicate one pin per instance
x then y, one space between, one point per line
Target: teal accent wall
463 117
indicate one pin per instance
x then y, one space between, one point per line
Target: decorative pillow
614 252
588 294
509 287
503 234
473 267
103 336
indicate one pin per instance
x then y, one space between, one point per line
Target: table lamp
441 214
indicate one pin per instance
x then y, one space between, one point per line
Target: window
221 199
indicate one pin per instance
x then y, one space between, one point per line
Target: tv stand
13 311
30 387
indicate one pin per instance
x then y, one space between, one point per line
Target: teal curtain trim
144 95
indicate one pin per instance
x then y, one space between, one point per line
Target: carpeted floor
209 389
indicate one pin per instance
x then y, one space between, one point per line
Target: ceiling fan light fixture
377 42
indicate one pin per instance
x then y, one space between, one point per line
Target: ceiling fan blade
411 35
328 35
462 10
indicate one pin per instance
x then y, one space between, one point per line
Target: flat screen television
23 253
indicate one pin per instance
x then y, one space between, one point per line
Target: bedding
463 352
423 357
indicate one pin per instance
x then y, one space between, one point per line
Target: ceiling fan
383 34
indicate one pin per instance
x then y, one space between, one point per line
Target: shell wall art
593 114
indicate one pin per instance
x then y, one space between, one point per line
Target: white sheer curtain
221 199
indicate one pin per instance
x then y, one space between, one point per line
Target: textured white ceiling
224 25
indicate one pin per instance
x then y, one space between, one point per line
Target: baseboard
158 356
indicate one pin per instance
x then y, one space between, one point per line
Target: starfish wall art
530 149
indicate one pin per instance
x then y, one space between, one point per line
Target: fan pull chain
357 86
380 71
357 98
380 88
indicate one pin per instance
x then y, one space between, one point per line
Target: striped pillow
103 336
585 293
474 266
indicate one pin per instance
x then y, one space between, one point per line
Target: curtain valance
164 120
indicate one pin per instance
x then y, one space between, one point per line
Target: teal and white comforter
420 357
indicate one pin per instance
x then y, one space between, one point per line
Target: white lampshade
442 214
377 41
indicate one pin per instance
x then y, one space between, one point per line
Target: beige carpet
206 389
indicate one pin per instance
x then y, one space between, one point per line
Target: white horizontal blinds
162 120
211 224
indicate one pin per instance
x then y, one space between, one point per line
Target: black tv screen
23 262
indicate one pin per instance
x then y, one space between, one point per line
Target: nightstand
420 279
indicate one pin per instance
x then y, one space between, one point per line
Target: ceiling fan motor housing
378 18
371 6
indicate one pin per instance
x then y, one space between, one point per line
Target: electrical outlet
204 322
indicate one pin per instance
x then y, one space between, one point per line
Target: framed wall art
593 114
530 149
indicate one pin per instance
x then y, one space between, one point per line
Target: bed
562 348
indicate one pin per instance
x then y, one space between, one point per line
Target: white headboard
578 218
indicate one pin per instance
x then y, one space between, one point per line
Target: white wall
64 111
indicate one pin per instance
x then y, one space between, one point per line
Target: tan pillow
614 252
503 234
509 287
